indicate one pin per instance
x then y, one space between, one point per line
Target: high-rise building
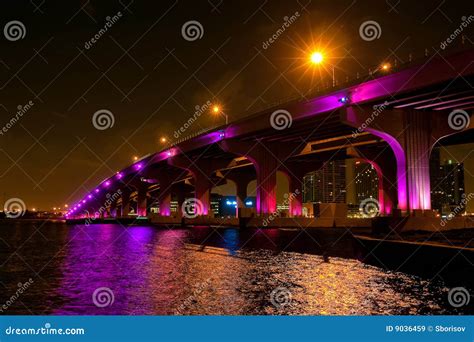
327 185
366 181
447 183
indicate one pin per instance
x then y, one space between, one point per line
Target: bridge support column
125 209
113 209
166 177
142 200
241 177
266 158
295 173
411 134
202 172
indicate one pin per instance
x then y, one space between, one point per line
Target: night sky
151 79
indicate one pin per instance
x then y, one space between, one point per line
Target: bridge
391 121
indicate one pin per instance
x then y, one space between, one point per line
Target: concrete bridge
390 121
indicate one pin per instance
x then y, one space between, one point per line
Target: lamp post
317 58
217 110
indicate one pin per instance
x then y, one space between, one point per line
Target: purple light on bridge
97 191
138 166
83 201
107 184
89 196
119 175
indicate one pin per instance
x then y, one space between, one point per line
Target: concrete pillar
113 209
166 176
411 134
295 172
202 171
267 158
241 177
125 210
142 200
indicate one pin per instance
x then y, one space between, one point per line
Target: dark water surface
201 270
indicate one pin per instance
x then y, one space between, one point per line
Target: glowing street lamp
163 140
135 158
317 58
385 66
217 110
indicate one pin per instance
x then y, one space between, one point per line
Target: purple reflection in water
124 261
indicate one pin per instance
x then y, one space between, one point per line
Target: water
153 271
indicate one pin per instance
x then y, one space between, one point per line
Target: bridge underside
394 133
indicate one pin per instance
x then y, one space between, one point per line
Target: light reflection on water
202 271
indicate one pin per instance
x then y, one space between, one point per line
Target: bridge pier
295 172
142 200
125 208
166 177
411 134
241 177
267 159
201 171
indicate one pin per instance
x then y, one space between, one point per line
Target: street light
217 110
386 66
382 67
316 58
163 140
